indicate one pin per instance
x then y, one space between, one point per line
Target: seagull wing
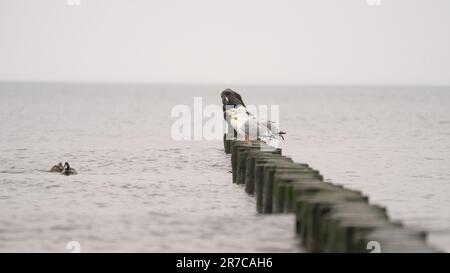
268 129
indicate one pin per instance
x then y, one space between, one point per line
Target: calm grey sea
140 190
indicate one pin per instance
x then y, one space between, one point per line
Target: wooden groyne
329 218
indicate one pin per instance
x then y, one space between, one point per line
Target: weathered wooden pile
329 218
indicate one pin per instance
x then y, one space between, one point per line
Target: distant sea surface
138 189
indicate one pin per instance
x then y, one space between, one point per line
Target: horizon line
161 83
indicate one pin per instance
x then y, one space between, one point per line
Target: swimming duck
57 168
68 170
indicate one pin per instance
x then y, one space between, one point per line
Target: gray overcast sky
229 41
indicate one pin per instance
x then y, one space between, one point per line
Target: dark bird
230 99
68 170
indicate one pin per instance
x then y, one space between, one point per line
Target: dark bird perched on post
230 99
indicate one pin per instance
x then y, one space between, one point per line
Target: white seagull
248 127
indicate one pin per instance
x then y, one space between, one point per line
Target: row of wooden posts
329 218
